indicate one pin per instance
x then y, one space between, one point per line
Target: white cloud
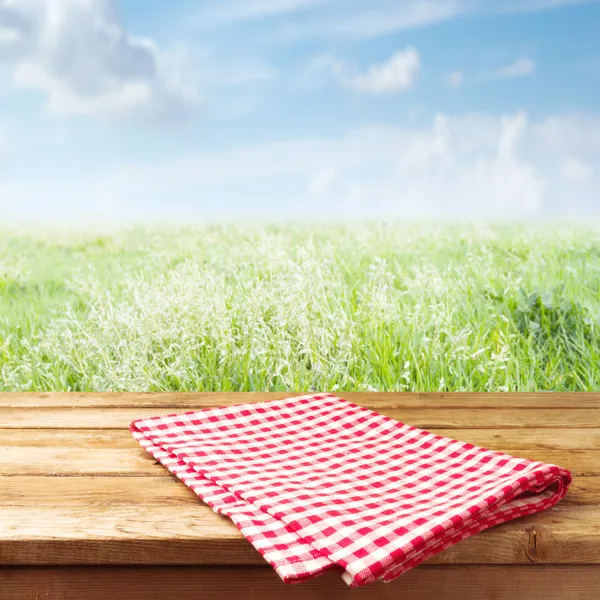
455 79
395 75
472 166
9 36
574 135
574 170
361 19
519 68
77 53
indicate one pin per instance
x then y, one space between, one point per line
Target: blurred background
299 194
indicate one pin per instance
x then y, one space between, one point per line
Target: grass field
327 307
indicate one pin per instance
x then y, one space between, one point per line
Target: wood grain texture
76 489
135 462
514 439
374 400
439 418
89 491
56 461
193 534
224 583
115 452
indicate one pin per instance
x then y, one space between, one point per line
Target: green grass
327 307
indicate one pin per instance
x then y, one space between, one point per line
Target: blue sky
138 109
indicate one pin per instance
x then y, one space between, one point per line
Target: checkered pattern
317 482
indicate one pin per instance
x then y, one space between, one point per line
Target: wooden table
86 514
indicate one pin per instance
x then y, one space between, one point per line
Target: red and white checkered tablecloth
317 483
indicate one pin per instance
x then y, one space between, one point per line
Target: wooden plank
192 534
248 583
525 440
115 452
584 490
51 461
135 462
36 492
514 439
71 438
375 400
438 418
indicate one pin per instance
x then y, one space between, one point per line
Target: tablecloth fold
317 483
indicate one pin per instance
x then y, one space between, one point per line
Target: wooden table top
77 489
